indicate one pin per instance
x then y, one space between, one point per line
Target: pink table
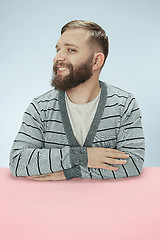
77 209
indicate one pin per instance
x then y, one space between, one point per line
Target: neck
85 92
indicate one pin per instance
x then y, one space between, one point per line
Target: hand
49 176
99 157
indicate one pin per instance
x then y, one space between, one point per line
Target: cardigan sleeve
29 157
130 139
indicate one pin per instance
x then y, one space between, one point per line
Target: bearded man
83 127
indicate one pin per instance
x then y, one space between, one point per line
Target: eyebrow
67 44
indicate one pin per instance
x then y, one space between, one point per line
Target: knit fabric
46 142
81 117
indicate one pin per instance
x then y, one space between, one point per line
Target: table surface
121 209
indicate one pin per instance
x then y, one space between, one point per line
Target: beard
77 75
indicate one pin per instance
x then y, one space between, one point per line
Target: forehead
78 37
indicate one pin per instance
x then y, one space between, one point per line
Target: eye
71 50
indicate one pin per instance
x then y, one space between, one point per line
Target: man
83 127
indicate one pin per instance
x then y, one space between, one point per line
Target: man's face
74 60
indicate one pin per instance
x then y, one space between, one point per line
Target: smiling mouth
61 70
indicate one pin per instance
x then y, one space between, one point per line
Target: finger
111 168
37 176
115 161
36 179
40 178
114 150
116 154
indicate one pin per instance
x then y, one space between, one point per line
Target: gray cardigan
45 142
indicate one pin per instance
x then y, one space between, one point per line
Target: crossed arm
97 157
29 158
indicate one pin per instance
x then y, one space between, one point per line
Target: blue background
29 32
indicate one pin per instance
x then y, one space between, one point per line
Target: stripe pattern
45 142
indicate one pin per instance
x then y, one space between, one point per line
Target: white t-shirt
81 117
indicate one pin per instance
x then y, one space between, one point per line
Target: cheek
54 60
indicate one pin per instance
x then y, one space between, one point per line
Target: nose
59 57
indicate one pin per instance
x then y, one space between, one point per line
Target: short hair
97 34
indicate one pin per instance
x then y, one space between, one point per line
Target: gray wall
29 32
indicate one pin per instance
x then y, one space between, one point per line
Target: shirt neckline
94 125
84 104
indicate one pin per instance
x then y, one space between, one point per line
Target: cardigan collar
95 123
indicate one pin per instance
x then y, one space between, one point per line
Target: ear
98 60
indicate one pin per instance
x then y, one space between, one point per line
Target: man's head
81 52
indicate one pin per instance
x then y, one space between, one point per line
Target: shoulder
43 102
117 95
47 96
124 99
46 99
116 92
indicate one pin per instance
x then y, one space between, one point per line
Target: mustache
67 65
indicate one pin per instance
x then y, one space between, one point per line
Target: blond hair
97 34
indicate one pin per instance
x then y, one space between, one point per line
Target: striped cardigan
45 142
